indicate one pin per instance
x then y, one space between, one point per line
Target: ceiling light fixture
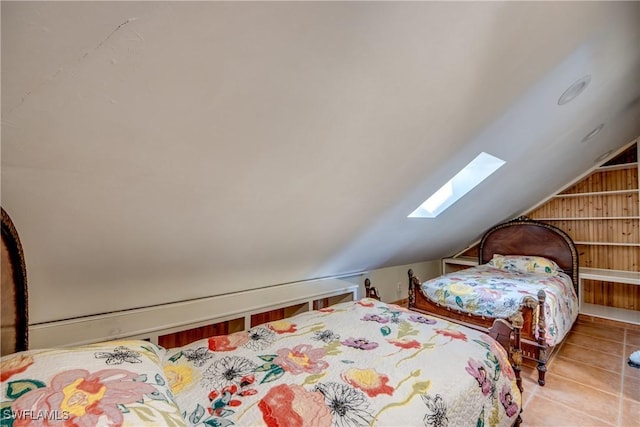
592 133
574 90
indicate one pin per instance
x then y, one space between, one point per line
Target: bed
527 272
355 363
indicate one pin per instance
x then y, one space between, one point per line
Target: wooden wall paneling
326 302
267 316
625 258
471 252
278 314
601 213
608 231
588 292
589 206
320 303
296 309
619 295
178 339
614 180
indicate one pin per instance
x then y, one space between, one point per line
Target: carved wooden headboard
15 314
524 236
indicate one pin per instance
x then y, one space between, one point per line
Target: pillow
524 264
114 383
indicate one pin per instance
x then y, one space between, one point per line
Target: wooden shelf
632 245
588 218
611 313
613 276
616 276
597 193
617 167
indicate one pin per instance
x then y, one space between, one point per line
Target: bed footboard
508 335
530 317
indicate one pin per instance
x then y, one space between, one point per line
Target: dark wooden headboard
524 236
15 315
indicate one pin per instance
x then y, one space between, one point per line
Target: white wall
393 282
150 322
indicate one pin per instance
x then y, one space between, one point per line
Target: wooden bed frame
521 236
15 318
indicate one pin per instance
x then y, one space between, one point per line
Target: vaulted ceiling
161 151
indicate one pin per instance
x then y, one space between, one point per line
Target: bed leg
542 342
516 357
412 295
518 422
507 334
516 351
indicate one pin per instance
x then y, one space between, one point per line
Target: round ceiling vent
593 133
574 90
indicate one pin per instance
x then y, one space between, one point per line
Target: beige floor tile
605 332
575 395
544 412
630 413
617 324
593 343
591 357
631 389
597 378
529 377
631 372
633 338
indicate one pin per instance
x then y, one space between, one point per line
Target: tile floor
588 382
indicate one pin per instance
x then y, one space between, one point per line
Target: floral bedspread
107 384
487 291
353 364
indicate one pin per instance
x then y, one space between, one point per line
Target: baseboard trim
149 323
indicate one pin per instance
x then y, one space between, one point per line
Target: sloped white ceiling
156 152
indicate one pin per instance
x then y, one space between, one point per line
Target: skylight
464 181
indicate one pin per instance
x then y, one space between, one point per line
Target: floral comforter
357 363
353 364
108 384
492 292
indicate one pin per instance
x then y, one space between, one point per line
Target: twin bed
355 363
527 273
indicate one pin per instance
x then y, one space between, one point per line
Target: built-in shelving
601 212
605 278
